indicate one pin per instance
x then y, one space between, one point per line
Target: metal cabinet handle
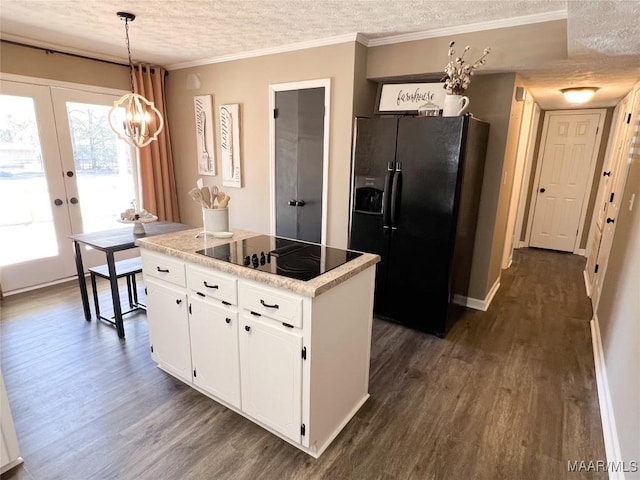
228 320
275 305
247 328
542 190
606 174
209 286
69 173
178 301
610 220
163 270
73 200
58 202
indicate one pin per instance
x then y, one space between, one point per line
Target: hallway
509 394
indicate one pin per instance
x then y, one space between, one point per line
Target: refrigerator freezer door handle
395 199
386 199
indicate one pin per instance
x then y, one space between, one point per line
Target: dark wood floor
509 394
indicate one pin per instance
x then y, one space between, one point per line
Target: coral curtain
157 175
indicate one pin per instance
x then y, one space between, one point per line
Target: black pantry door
299 141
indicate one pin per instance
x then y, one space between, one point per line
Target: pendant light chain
126 30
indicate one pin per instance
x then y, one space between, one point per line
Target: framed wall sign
405 98
230 145
204 135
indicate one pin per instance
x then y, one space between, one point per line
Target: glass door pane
103 168
34 218
26 219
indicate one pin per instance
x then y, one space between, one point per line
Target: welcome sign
407 97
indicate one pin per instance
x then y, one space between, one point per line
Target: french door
62 171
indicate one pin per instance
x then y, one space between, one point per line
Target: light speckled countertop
184 244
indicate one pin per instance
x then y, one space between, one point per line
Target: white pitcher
454 105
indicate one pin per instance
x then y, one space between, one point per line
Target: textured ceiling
603 36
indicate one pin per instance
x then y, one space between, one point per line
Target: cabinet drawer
272 303
209 283
164 268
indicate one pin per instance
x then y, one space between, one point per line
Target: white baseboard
587 286
476 303
609 431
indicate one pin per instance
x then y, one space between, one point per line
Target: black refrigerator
416 185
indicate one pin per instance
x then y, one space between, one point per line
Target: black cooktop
281 256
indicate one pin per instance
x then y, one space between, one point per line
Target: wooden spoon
206 196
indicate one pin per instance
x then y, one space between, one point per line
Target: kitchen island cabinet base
304 361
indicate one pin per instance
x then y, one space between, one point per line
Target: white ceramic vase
454 105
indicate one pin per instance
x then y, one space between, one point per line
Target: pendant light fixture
579 94
135 119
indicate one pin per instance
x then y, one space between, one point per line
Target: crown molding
470 28
322 42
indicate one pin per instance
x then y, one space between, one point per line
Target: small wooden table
111 241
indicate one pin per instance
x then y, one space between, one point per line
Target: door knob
542 190
73 200
58 202
610 220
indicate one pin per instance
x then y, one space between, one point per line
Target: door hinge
275 113
304 353
145 291
190 309
303 429
597 129
629 118
151 348
595 270
611 198
194 373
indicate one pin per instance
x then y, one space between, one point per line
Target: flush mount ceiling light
135 119
578 94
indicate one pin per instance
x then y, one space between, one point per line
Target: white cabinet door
169 327
214 350
271 375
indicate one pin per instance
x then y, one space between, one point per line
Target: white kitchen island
290 355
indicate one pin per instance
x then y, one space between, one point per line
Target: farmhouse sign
407 97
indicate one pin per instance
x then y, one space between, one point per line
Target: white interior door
631 132
610 171
62 171
565 171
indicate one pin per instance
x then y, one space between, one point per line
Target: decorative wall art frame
205 147
230 145
405 98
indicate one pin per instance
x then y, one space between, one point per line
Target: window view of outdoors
102 165
26 224
103 174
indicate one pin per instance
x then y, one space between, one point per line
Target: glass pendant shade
136 120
